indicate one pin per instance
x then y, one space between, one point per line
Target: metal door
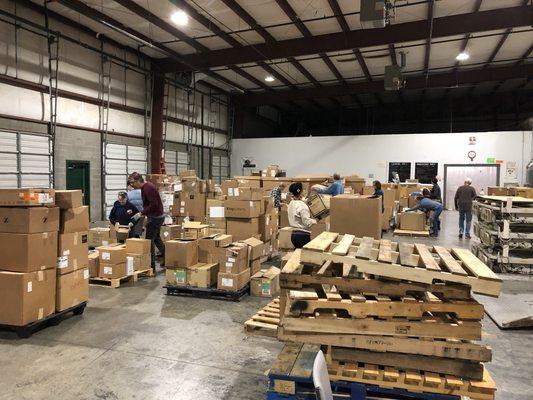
78 177
482 175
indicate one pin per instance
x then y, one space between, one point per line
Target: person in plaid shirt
276 194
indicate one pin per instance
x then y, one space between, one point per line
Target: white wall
369 155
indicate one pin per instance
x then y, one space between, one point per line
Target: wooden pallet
115 283
405 232
397 261
265 322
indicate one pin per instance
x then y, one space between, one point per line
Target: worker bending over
299 217
426 204
334 189
123 212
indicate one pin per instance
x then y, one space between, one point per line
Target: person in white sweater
299 217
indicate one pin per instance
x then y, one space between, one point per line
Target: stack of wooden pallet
391 314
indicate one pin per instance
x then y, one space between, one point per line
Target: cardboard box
241 228
72 252
498 191
22 252
412 201
94 263
256 248
319 227
66 199
268 225
112 254
26 297
229 184
100 237
357 215
181 253
194 230
249 181
385 221
284 216
233 259
188 204
27 197
207 247
526 192
284 238
319 205
120 233
269 183
403 202
413 221
170 232
115 271
245 193
187 173
75 220
265 283
72 289
139 262
138 246
178 276
255 266
242 208
356 183
203 275
233 282
29 220
214 208
193 185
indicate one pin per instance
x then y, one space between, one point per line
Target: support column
156 141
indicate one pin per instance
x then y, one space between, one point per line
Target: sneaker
468 236
460 236
433 234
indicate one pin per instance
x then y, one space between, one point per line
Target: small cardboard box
170 232
72 252
72 289
138 246
189 204
319 205
181 253
242 208
256 248
233 282
21 252
100 237
27 197
193 185
194 230
66 199
26 297
413 221
207 247
94 263
241 228
112 254
265 283
233 259
284 238
178 276
203 275
245 193
356 215
113 271
29 220
75 220
139 262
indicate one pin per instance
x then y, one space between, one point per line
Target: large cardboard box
75 220
203 275
113 271
249 181
170 232
245 193
265 283
233 282
27 197
413 221
139 262
233 259
94 263
66 199
256 248
29 220
72 289
241 228
26 297
112 254
268 224
214 208
284 238
21 252
385 221
187 204
242 208
100 237
138 246
389 197
319 205
181 253
178 276
207 247
72 252
357 215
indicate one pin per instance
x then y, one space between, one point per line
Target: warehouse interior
235 113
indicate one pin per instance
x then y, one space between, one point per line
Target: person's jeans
299 239
153 233
436 221
465 215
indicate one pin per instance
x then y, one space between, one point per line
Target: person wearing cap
334 189
122 213
463 203
299 217
426 204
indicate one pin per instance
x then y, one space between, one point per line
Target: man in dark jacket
425 204
435 193
152 210
122 213
463 202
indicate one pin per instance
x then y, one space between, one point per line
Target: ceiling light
269 79
462 56
180 18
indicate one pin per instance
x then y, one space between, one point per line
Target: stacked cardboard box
265 283
215 216
356 183
256 251
138 254
194 230
94 263
234 270
357 215
170 232
28 244
242 210
101 237
183 266
190 202
112 262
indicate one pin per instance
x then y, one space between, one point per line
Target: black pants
153 232
299 239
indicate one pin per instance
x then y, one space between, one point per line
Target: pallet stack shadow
504 227
390 314
43 268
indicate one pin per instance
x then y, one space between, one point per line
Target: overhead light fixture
462 56
180 18
269 79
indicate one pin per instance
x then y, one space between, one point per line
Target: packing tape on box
40 276
75 263
30 286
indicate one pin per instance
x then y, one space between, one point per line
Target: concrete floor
137 343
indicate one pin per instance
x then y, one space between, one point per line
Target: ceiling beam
461 77
405 32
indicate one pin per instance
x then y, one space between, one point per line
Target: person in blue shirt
334 189
122 213
134 197
378 193
426 204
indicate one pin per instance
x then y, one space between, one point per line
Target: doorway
78 177
482 175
